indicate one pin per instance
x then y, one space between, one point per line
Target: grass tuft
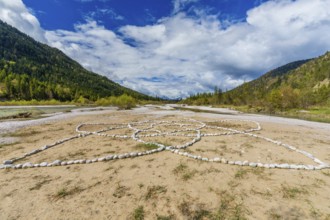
184 172
292 192
145 147
138 213
154 191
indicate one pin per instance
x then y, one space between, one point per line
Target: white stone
260 165
27 165
251 164
101 159
245 163
56 163
284 166
43 164
223 160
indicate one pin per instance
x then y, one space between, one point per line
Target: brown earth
165 185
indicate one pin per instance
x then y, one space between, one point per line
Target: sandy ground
165 185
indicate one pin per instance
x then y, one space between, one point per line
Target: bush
123 102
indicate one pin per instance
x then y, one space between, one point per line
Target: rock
266 166
56 163
45 147
252 164
18 166
121 156
7 162
8 166
260 165
27 165
43 164
309 167
101 159
284 166
317 161
271 165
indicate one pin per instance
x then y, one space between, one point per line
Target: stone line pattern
179 149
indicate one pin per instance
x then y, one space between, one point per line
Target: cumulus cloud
181 55
16 14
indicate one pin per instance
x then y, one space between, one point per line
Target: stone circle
188 125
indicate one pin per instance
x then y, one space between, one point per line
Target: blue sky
116 13
174 48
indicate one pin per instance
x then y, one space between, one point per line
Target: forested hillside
296 85
31 70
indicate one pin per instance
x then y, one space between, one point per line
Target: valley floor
164 185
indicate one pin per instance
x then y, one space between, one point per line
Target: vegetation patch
154 191
289 192
139 213
184 172
193 211
64 192
145 147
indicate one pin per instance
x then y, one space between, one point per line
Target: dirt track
165 184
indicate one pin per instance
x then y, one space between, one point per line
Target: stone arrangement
188 128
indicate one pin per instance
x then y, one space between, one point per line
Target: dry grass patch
291 192
184 172
154 191
64 192
145 147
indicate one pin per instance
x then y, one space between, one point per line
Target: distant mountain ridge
298 84
32 70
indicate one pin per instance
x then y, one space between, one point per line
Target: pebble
27 165
56 163
7 162
43 164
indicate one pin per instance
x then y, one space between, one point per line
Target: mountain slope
32 70
297 84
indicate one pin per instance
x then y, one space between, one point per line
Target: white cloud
181 55
179 5
16 14
100 13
